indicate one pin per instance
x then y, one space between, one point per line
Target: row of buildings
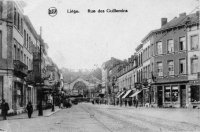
164 71
23 56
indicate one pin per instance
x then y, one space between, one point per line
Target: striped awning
136 93
120 94
125 95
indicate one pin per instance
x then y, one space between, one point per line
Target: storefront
19 95
194 92
169 95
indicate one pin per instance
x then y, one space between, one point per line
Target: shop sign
194 82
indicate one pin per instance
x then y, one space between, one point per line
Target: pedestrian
125 102
4 109
120 103
136 103
29 108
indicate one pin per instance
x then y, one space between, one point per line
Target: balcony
20 69
30 79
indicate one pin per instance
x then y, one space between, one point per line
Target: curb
52 113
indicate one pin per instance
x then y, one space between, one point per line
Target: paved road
99 118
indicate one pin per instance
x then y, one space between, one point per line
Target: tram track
140 122
126 125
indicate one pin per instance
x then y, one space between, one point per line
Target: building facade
193 45
19 45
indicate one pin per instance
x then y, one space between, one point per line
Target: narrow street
86 117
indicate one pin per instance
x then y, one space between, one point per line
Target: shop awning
136 93
120 94
127 93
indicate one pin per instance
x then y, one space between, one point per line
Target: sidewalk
46 113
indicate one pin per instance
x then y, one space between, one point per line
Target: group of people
129 102
5 108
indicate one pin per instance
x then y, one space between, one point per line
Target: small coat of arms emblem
52 11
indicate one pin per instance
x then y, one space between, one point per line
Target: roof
30 26
177 21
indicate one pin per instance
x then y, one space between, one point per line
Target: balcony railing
20 69
30 79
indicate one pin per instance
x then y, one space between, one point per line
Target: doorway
160 96
183 95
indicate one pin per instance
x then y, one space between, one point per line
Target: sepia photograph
99 66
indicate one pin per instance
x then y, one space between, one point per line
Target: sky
86 40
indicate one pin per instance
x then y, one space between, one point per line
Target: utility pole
40 109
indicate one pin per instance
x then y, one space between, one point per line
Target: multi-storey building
127 76
30 46
138 83
168 62
18 44
193 47
167 73
147 61
13 70
126 79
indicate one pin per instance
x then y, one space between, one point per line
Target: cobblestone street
86 117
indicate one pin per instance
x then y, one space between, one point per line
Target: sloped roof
182 20
177 21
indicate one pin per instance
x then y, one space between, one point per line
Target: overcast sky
81 41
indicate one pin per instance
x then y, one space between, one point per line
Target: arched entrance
80 88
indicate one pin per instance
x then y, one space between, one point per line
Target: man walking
4 109
29 108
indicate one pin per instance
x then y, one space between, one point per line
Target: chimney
182 15
163 21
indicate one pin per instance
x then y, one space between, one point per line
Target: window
27 41
194 42
195 93
21 25
194 65
174 93
18 54
182 44
18 22
171 67
25 38
167 94
160 69
149 71
24 59
27 61
170 46
159 47
14 52
21 56
182 66
15 17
